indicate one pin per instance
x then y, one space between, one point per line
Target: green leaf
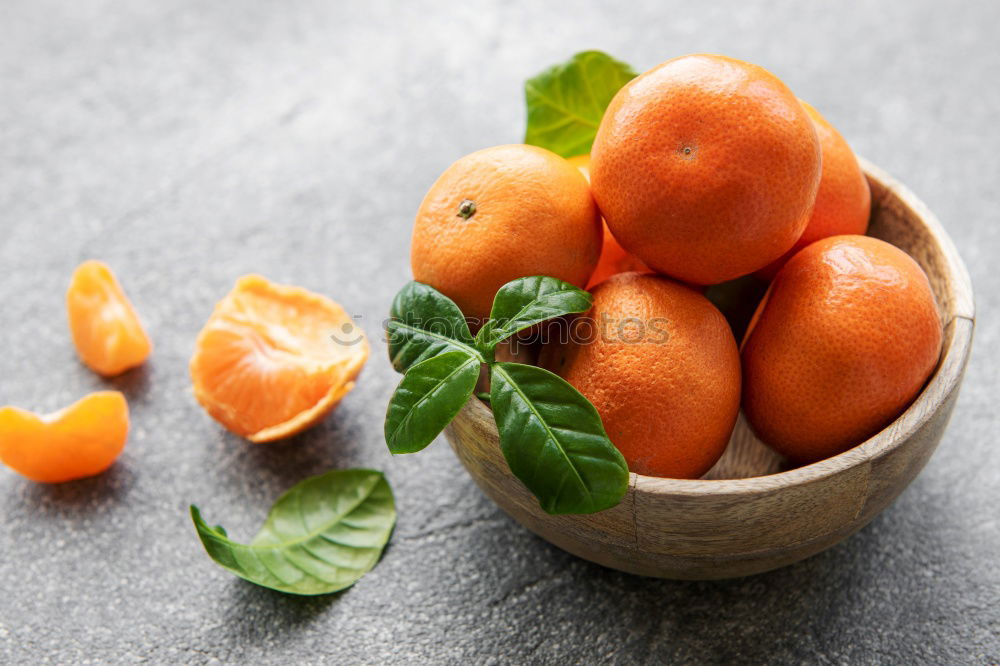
431 394
554 442
527 301
321 536
424 323
566 101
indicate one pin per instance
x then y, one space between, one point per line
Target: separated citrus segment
273 360
106 330
81 440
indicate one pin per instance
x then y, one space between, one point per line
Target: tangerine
706 168
843 202
844 339
614 258
661 366
500 214
273 360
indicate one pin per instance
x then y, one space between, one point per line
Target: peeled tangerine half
106 330
273 360
81 440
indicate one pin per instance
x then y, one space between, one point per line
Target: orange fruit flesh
81 440
273 360
107 332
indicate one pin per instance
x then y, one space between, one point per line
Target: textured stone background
187 143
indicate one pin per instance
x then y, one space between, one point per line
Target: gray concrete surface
187 143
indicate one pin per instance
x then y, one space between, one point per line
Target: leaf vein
544 425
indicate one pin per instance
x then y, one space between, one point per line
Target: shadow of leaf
82 497
258 615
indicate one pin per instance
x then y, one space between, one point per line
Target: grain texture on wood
747 515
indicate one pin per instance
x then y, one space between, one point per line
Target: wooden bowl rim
946 376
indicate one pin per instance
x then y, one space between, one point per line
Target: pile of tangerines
704 169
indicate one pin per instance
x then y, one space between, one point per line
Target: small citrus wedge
81 440
273 360
106 330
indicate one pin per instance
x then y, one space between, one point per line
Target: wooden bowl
746 515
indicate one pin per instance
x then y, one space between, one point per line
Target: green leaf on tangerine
430 395
524 302
423 323
567 101
554 442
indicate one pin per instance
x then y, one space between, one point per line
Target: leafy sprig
550 434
